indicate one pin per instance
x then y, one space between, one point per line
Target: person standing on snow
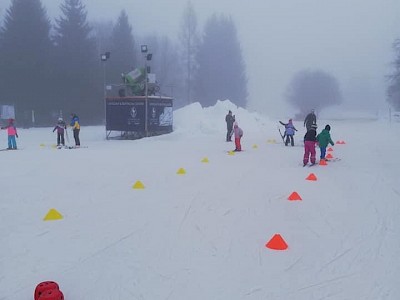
310 139
229 119
310 119
76 127
238 132
12 133
289 132
324 138
60 127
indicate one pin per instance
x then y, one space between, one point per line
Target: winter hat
327 127
230 111
60 119
11 121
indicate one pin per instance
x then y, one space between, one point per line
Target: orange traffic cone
294 196
329 155
277 243
330 149
311 177
322 162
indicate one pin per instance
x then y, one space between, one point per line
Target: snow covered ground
202 235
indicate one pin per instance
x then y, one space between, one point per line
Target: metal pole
145 94
105 95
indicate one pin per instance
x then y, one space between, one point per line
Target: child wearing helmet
310 139
289 132
238 133
60 127
12 133
324 138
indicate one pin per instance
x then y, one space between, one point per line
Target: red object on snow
45 286
51 295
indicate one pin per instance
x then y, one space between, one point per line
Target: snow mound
195 119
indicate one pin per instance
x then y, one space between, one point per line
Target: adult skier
310 119
229 119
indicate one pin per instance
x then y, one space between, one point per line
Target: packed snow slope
202 235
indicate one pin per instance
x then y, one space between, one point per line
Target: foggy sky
350 39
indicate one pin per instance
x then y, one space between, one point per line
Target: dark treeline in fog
48 66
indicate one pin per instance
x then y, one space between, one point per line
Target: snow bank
194 119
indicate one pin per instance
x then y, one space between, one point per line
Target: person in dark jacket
310 139
76 127
60 127
310 119
289 132
324 138
229 119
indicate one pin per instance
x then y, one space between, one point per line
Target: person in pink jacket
238 132
12 133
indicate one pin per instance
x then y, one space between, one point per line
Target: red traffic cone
294 196
45 286
277 243
312 177
322 162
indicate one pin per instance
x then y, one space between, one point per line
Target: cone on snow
255 146
277 243
231 153
329 155
322 162
294 196
205 160
330 149
311 177
181 171
53 215
138 185
42 145
342 142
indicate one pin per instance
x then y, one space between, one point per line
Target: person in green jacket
324 138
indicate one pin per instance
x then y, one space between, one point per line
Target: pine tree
190 40
24 66
221 74
393 90
78 68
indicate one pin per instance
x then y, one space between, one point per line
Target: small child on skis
238 132
310 139
289 132
324 138
60 127
12 133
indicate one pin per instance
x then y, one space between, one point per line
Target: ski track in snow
202 235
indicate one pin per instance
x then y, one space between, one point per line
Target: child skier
310 139
289 132
12 133
60 127
238 132
324 138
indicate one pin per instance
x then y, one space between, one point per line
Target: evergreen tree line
51 66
